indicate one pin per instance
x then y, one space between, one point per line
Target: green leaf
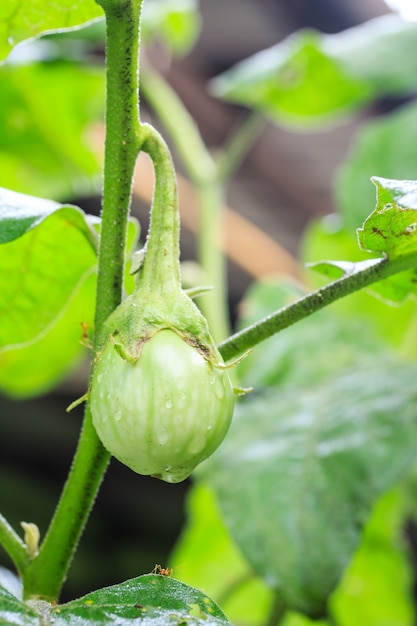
176 22
310 465
313 454
49 256
207 558
327 238
47 248
19 213
383 147
37 366
150 599
391 229
24 19
286 357
376 589
310 78
393 290
46 114
13 612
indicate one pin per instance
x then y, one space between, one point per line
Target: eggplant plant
302 489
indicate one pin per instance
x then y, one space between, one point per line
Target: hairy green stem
202 171
122 147
46 573
13 545
371 272
161 269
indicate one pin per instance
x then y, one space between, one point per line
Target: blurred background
285 181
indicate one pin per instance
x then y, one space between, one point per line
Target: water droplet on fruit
219 391
197 444
118 416
163 438
168 404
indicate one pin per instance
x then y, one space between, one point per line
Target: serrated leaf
21 20
391 229
310 77
327 238
46 110
384 146
176 22
393 290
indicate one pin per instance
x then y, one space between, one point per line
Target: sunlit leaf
377 587
206 557
47 304
24 19
35 367
46 113
46 249
310 78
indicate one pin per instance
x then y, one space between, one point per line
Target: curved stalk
202 171
161 269
46 573
239 143
372 272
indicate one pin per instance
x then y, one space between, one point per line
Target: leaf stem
239 143
366 273
44 576
13 545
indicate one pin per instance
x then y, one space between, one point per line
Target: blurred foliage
311 79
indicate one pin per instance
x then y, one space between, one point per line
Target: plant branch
13 545
46 573
370 272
